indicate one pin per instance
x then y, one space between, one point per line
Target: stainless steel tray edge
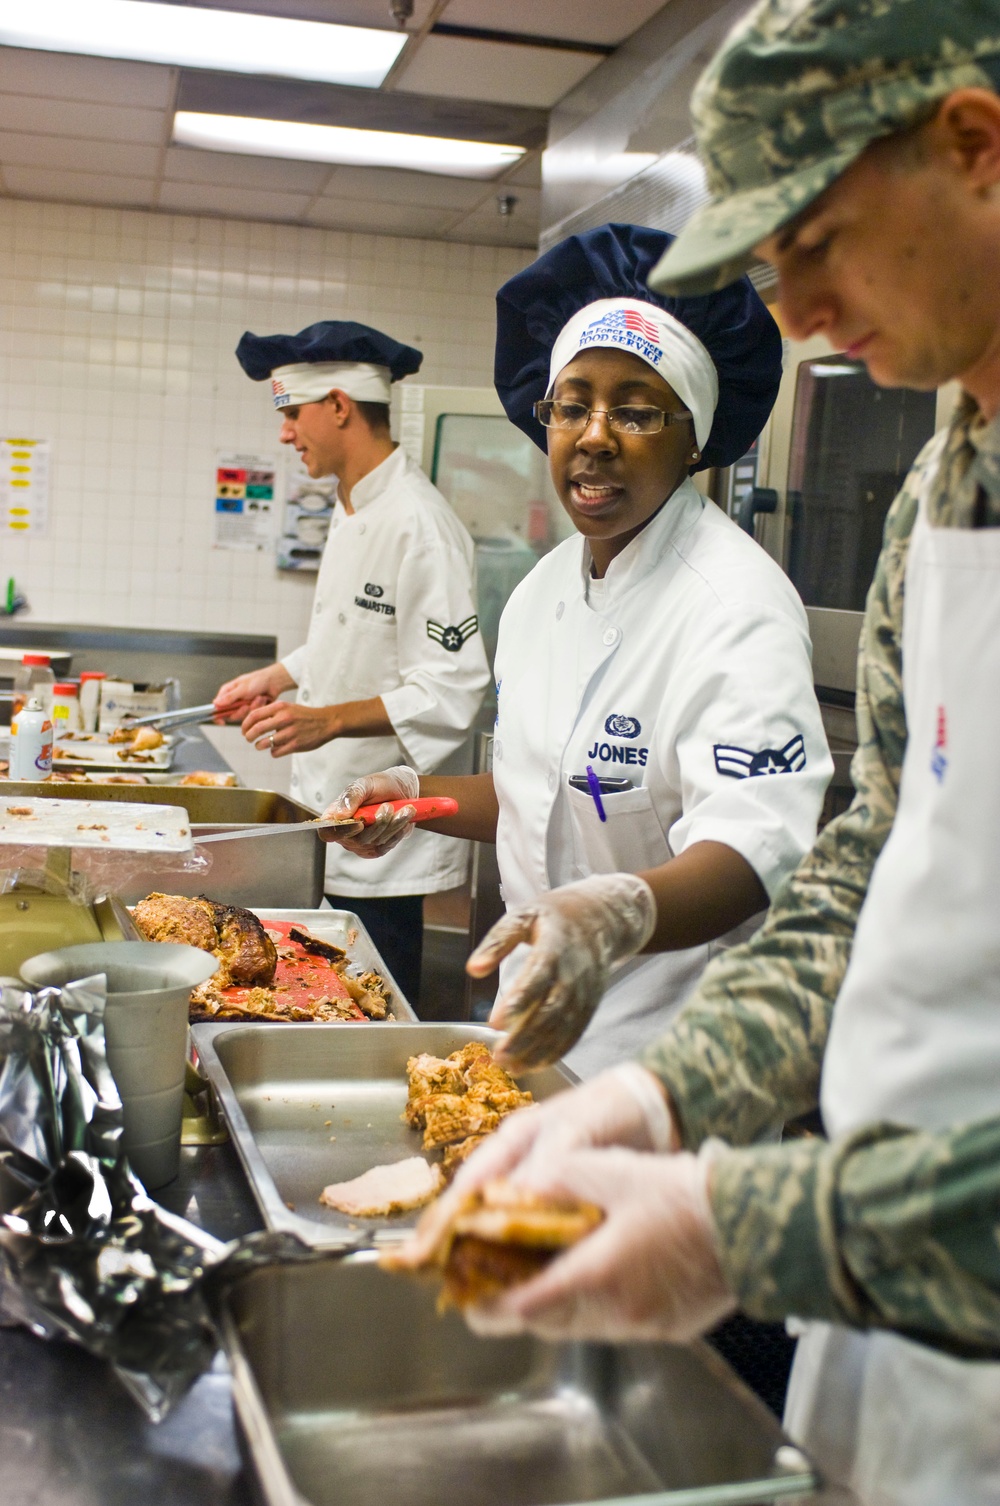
277 1214
265 1456
278 1489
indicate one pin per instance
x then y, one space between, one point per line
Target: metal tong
169 719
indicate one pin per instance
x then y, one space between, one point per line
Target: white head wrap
657 338
310 381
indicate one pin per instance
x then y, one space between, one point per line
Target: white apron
915 1036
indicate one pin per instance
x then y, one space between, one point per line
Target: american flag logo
277 387
644 327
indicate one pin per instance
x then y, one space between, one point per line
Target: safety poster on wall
24 485
245 501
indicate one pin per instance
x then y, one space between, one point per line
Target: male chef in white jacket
393 669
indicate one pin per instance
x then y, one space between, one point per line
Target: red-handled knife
428 808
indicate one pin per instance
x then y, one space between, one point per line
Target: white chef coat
915 1034
393 616
686 670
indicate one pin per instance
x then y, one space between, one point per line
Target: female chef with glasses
659 760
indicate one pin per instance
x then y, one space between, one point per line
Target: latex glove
650 1271
623 1106
577 934
389 827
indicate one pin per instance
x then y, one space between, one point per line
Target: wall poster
245 501
24 485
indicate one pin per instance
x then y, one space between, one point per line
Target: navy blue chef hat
303 368
613 262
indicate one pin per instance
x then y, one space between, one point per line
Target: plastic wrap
85 1254
94 872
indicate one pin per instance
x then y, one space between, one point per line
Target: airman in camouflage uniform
887 1228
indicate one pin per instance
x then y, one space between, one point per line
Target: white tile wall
117 331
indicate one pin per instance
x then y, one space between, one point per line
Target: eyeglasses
552 414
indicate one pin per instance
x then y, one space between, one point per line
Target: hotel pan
351 1391
307 1105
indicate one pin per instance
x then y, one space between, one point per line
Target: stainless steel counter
71 1436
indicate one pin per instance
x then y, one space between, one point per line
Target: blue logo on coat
622 726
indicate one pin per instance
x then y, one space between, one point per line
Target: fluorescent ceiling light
343 144
189 36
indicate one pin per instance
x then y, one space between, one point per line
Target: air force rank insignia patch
743 763
452 638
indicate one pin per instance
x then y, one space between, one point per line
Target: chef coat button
560 609
497 750
361 528
341 617
552 781
611 636
317 606
305 695
319 797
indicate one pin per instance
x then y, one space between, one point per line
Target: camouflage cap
796 93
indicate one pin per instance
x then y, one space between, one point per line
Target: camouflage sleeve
886 1228
744 1055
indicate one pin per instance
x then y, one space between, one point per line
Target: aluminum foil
85 1253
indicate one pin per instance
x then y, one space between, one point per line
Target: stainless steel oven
835 453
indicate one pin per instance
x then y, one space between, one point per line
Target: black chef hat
614 262
340 340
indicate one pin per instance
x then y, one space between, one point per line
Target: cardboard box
121 699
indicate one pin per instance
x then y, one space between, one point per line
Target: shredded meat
459 1096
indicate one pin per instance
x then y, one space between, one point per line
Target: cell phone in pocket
606 786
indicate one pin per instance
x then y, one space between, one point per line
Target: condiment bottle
90 697
34 678
31 743
65 709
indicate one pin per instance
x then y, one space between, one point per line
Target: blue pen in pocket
594 784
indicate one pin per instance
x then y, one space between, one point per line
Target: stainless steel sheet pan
352 1391
307 1105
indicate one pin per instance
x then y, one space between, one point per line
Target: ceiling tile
236 202
392 186
457 68
63 76
78 188
604 21
517 229
57 117
231 169
77 155
527 174
387 219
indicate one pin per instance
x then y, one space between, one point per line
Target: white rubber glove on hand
650 1271
577 934
389 826
624 1106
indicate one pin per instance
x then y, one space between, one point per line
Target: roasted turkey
247 955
